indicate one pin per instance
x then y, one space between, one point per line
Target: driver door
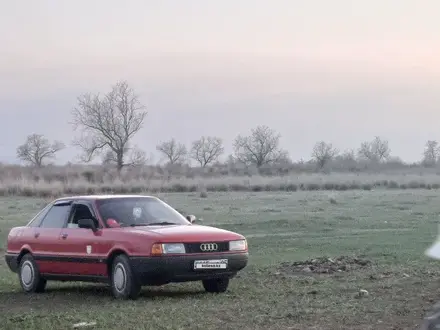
82 248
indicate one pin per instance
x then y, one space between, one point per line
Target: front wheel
29 275
123 282
217 285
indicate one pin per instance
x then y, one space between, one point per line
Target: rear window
36 220
56 217
138 210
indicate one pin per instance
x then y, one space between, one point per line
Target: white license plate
211 264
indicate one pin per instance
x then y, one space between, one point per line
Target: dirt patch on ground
325 265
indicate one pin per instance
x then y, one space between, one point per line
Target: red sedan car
125 240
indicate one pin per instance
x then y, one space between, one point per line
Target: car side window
56 217
36 220
80 211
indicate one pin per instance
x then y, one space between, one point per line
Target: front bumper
12 261
166 269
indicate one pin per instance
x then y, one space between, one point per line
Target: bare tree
37 149
431 153
260 148
323 153
348 155
206 150
108 123
136 157
375 151
173 151
346 160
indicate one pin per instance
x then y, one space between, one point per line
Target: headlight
168 248
173 248
240 245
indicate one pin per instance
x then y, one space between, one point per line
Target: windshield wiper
138 224
163 223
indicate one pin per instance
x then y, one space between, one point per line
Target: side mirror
87 224
191 218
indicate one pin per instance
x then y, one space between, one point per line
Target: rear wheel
217 285
29 275
123 281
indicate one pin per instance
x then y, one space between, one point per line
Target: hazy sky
339 71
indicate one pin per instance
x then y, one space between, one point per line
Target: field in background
288 183
52 181
360 240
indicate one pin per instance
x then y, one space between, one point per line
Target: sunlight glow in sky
243 63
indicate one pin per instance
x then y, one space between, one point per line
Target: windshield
138 211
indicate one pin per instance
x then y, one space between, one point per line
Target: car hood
186 233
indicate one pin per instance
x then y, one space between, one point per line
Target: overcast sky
341 71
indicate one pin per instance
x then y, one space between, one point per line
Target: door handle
64 236
36 235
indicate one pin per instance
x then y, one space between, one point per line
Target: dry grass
307 182
79 179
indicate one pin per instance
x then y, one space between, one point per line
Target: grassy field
375 241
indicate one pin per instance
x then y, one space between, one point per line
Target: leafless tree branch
173 151
260 148
135 157
323 153
37 149
108 123
431 153
207 150
375 151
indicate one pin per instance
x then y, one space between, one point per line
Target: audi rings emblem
207 247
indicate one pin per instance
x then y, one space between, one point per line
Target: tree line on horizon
107 123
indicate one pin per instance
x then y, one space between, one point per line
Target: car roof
100 197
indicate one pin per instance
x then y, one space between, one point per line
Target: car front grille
196 247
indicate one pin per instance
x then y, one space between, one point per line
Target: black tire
124 283
217 285
29 275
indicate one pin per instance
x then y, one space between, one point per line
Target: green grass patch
281 288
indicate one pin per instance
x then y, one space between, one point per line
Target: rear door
84 251
28 235
45 243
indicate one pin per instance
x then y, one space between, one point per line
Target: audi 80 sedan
126 241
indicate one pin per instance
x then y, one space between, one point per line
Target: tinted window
138 210
56 217
36 220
